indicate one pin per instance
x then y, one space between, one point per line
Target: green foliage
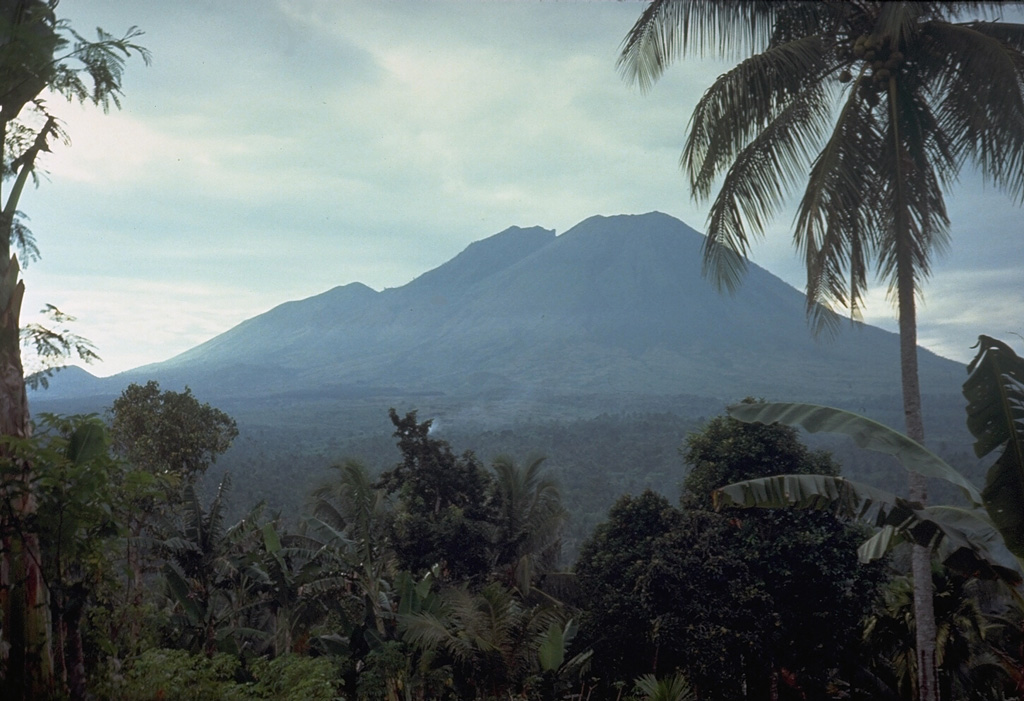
178 675
349 521
496 643
974 652
611 564
297 678
995 416
964 538
728 601
868 434
52 346
673 688
387 672
169 432
444 507
726 451
856 102
40 52
211 577
81 494
527 522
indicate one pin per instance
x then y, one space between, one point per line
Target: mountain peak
615 306
481 259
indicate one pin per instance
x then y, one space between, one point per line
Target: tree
528 521
350 518
211 575
175 438
726 450
169 433
983 540
743 606
443 510
674 688
498 643
80 490
814 593
968 613
882 104
610 565
37 51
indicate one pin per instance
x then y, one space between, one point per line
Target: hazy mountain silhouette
614 307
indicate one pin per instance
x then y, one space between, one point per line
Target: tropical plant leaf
674 688
995 416
181 593
552 648
868 434
271 540
964 539
87 441
972 544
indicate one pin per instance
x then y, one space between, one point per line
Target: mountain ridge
613 307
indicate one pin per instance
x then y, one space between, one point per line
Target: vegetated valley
599 350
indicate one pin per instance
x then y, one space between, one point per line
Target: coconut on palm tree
875 108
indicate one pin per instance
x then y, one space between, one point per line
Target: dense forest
444 576
595 460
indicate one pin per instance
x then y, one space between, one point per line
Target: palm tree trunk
921 559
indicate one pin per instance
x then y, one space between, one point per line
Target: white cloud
134 321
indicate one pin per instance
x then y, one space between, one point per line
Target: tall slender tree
528 520
876 106
37 52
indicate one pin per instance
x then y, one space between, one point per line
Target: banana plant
984 539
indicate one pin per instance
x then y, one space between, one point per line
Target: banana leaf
868 434
963 539
551 651
995 416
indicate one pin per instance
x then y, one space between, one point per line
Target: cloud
273 153
133 321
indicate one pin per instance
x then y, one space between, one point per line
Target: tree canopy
738 603
169 432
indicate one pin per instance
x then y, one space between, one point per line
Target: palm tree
349 517
969 664
212 576
882 104
674 688
527 524
497 641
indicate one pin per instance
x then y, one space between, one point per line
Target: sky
275 149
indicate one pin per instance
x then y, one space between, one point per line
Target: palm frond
668 29
743 100
899 21
913 225
833 225
1009 33
758 180
981 99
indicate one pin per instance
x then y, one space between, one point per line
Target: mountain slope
614 307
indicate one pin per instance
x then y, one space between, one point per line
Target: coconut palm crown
875 106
